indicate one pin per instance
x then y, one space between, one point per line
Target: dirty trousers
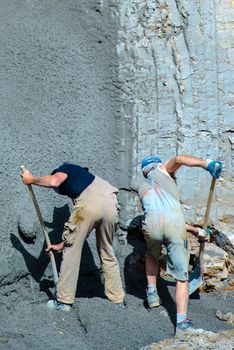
96 208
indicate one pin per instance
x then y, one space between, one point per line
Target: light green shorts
174 236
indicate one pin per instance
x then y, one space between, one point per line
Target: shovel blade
195 280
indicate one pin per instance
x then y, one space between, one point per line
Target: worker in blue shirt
95 207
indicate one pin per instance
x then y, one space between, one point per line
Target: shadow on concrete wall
89 283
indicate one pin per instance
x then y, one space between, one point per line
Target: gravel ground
95 323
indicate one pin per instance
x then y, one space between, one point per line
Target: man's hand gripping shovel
47 239
196 277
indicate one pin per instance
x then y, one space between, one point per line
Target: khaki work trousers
96 208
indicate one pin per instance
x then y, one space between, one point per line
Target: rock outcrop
204 340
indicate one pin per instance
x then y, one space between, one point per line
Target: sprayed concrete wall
103 84
58 103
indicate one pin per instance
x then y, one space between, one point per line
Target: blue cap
149 160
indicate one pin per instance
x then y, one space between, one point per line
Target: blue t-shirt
78 179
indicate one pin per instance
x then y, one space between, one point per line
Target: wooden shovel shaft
47 239
207 213
206 218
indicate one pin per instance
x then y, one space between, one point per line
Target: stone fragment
215 266
229 316
203 341
164 313
27 225
223 240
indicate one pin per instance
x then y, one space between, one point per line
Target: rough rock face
175 63
215 265
175 58
212 341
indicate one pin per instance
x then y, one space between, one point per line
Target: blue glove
211 168
208 230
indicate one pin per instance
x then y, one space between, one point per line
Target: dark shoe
153 299
55 305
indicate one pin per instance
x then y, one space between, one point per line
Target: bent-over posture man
164 223
95 207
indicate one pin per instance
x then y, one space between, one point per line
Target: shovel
196 277
47 239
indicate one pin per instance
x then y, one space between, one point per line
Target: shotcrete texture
58 103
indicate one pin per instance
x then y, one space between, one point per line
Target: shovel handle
206 218
211 192
38 211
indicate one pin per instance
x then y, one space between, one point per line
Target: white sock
151 288
180 318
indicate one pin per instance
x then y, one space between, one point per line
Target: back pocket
69 234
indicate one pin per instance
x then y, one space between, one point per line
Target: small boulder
215 266
27 225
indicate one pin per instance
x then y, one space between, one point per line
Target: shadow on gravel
134 265
90 281
166 298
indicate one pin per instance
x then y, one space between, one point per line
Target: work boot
152 299
55 305
186 327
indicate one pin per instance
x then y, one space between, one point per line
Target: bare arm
175 163
44 181
192 229
202 235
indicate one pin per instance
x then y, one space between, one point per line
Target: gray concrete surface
58 103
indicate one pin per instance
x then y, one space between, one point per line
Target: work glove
203 235
210 166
